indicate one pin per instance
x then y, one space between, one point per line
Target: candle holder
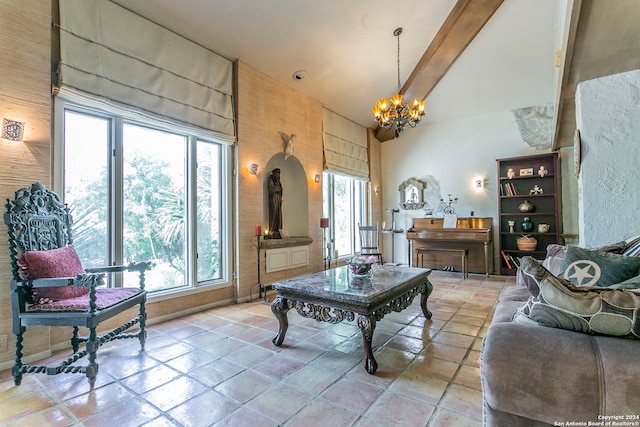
448 209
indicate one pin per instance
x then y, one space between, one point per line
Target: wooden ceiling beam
464 22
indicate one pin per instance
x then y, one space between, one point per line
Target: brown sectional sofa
536 375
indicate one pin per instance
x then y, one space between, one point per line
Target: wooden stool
462 252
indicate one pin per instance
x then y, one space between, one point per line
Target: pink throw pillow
61 262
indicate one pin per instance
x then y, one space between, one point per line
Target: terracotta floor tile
150 379
98 400
312 379
463 400
216 372
204 409
461 328
50 417
444 418
434 368
446 352
352 394
452 338
245 417
425 388
174 393
129 413
330 414
24 404
278 367
468 376
406 411
280 402
244 386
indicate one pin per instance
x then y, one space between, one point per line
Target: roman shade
121 58
345 146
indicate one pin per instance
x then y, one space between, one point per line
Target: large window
343 204
144 191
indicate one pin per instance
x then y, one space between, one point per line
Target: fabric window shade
345 146
116 55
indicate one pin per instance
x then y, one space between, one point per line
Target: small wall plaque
526 172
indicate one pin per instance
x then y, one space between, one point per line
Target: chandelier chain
398 38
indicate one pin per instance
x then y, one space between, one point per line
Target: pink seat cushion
61 262
105 298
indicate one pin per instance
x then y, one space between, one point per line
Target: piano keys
474 234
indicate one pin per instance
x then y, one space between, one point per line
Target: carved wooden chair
370 241
49 287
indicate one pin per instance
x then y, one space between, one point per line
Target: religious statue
275 203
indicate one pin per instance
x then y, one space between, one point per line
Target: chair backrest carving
36 220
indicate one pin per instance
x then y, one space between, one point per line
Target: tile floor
220 368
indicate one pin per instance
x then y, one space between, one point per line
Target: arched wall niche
295 194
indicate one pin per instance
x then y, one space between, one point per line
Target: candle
324 222
258 230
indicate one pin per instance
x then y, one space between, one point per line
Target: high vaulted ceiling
348 50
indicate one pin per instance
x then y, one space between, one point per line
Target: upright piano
474 234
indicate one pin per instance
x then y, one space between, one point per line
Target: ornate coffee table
336 295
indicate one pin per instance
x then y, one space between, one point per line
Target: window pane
154 226
343 215
86 185
208 211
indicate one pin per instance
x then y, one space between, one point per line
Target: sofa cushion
584 267
561 304
546 375
60 262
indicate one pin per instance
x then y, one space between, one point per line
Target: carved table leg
367 325
428 288
280 307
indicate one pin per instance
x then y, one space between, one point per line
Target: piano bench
464 257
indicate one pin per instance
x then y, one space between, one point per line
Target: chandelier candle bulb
258 230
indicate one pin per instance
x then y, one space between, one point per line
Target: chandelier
395 114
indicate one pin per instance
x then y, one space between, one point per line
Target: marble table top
341 288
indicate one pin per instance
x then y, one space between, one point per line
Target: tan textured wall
375 171
25 44
264 108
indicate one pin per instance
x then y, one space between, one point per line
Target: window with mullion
140 191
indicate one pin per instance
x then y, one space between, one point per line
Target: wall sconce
253 168
478 183
316 178
12 130
377 189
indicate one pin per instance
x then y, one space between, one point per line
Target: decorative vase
526 206
527 225
543 228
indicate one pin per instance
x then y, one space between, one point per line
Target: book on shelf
508 189
506 259
510 260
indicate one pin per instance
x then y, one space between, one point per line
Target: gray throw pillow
586 267
561 304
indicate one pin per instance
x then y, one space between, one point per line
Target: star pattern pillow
584 267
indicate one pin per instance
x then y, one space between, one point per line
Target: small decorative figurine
511 173
536 190
542 171
511 223
289 144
